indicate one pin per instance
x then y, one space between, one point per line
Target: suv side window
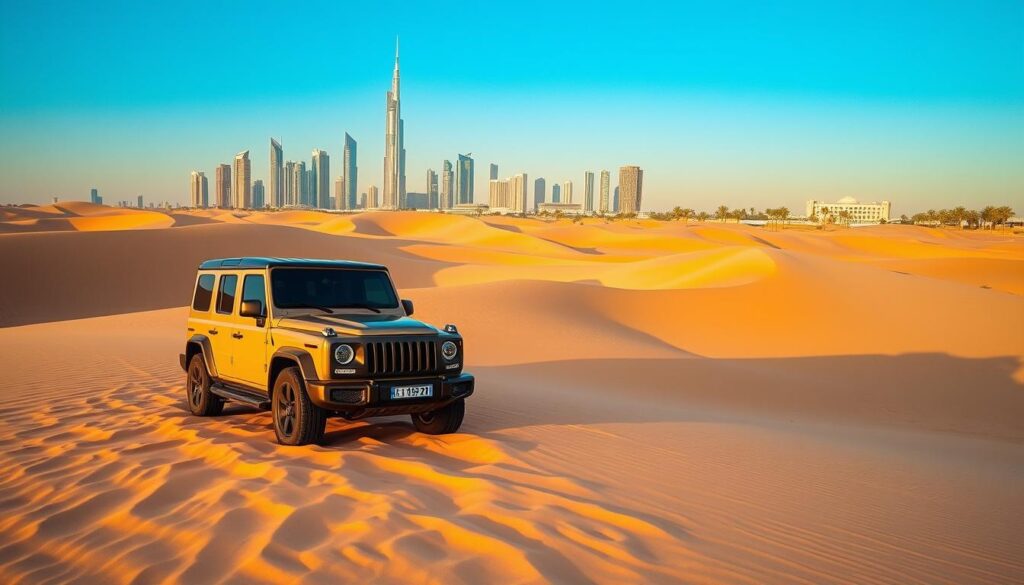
254 289
204 293
226 294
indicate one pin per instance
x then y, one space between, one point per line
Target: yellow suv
307 339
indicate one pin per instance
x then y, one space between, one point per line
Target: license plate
419 391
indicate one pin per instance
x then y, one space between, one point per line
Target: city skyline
741 120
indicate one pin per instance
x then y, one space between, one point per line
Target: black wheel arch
201 344
287 357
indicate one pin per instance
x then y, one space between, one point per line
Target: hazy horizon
921 104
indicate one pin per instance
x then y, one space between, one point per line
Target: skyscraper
243 181
588 191
556 193
539 192
200 190
289 184
394 142
258 194
299 182
518 193
401 160
276 174
140 202
321 195
603 203
615 202
432 199
497 194
464 179
339 193
631 183
94 196
308 185
494 171
372 198
447 184
350 172
223 186
567 192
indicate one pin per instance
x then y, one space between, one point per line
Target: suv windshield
331 288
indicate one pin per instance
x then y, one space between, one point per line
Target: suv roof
249 262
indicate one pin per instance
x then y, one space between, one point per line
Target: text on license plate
420 391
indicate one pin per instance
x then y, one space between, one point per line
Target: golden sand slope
657 402
80 216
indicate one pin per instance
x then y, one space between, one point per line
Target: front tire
201 402
297 421
441 421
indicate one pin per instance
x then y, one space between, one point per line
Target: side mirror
407 305
252 309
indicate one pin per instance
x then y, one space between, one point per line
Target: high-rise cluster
298 184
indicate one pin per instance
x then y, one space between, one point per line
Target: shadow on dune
929 392
185 219
61 276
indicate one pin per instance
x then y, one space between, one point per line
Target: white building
859 212
565 208
508 195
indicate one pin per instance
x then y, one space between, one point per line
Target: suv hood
358 324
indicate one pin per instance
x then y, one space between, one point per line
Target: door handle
213 332
237 335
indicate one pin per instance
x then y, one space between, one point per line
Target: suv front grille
401 358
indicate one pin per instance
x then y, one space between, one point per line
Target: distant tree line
988 217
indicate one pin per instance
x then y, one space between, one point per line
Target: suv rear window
226 294
204 293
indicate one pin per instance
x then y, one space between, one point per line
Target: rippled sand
656 403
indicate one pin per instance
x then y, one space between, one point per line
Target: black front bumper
373 397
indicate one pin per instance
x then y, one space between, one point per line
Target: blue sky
746 104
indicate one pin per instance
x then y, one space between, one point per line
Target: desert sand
656 402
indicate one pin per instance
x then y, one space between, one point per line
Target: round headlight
343 354
449 350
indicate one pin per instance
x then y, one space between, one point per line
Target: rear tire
297 421
201 402
441 421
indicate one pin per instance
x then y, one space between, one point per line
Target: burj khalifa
394 145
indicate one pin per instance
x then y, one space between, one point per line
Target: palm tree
826 215
703 216
722 213
972 218
677 212
687 214
739 214
959 214
844 217
988 215
1003 214
783 214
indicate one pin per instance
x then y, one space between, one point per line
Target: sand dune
656 402
80 216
